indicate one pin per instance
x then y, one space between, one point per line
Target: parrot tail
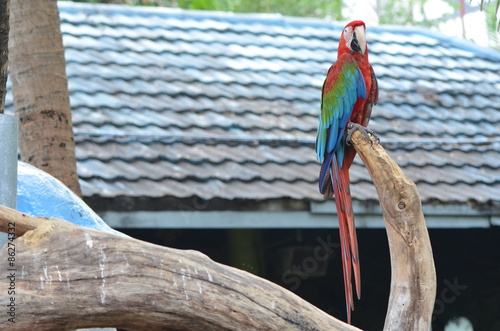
348 242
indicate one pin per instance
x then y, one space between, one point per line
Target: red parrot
348 94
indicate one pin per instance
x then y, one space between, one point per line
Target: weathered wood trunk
65 276
40 89
69 277
413 275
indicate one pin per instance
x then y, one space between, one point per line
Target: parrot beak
358 43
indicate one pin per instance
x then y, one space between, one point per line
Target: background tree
40 89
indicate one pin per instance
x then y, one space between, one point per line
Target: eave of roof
322 215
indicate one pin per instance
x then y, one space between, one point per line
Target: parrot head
353 38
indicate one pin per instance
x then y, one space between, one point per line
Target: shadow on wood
67 277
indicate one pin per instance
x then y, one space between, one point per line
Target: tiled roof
175 103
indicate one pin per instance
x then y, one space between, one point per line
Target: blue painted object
40 194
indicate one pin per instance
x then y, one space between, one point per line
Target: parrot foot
367 133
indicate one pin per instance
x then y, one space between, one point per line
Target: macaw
348 94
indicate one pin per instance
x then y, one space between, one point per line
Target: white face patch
348 36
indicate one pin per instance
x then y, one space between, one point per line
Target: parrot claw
367 133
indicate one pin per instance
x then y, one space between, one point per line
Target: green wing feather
343 85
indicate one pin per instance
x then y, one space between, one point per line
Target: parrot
348 94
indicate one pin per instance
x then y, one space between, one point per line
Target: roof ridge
275 18
210 14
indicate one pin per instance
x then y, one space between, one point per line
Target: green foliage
412 12
493 18
220 5
304 8
397 12
493 23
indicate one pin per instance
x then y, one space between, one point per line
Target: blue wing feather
339 96
360 85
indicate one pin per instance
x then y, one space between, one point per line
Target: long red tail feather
347 231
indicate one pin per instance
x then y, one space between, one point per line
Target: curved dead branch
61 276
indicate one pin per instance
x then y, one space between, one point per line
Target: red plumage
337 158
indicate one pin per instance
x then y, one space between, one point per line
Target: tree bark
40 90
68 277
413 276
4 51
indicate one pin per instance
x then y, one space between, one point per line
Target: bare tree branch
65 276
413 276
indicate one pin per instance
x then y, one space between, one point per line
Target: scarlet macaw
348 94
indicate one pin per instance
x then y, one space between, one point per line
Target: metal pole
8 164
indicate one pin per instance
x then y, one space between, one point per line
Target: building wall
307 262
